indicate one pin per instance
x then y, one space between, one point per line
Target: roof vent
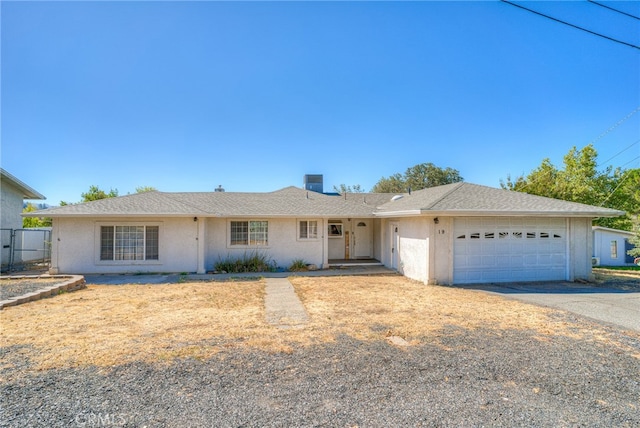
219 188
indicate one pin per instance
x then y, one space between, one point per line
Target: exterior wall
580 249
10 206
10 218
284 245
413 252
442 272
378 234
76 247
602 247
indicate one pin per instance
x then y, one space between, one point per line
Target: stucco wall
413 251
75 247
284 245
10 206
377 239
602 247
443 248
580 247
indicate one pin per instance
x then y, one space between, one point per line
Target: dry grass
396 306
109 325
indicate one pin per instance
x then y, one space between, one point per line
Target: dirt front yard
191 353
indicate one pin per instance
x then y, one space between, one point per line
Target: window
614 249
335 230
308 229
129 242
250 232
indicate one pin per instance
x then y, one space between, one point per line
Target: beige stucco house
457 233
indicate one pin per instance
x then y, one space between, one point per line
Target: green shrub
255 261
298 265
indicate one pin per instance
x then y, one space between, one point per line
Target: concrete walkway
282 306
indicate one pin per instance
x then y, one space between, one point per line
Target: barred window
129 242
308 229
250 232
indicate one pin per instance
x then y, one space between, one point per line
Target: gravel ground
476 379
17 287
469 378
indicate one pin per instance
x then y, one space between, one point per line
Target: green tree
635 240
95 193
142 189
579 180
343 188
34 221
417 177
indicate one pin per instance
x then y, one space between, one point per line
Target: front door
362 240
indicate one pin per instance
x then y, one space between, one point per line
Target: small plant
254 261
298 265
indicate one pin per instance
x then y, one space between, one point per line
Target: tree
143 189
635 240
34 221
95 193
417 177
343 188
580 181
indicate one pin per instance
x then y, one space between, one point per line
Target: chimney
313 182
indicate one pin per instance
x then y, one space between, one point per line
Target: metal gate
25 248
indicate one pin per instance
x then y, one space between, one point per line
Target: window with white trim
250 233
129 242
308 229
614 249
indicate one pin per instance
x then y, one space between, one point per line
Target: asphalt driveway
613 305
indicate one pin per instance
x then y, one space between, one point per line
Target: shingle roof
467 198
451 199
287 202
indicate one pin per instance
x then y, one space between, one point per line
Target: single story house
13 192
610 247
456 233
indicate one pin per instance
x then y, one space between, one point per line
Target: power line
620 122
620 152
632 160
571 25
622 179
615 10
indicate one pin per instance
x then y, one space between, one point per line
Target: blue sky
186 96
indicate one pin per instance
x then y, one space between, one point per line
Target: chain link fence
23 249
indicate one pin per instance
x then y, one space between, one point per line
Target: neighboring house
457 233
13 192
610 247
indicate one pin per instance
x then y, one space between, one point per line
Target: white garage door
509 249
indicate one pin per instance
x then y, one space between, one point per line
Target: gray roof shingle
451 199
459 198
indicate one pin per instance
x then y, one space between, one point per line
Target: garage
506 249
